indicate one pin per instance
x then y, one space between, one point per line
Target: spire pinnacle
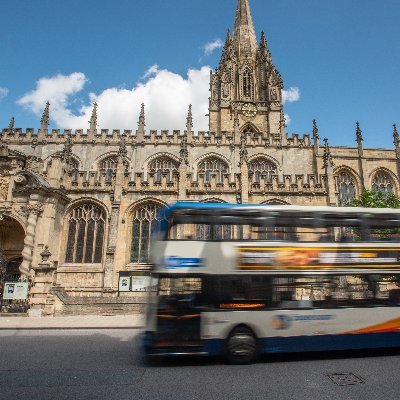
359 137
93 118
263 40
189 120
315 130
66 153
44 122
244 36
122 151
327 157
396 139
228 38
142 120
11 128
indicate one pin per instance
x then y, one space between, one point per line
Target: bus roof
207 207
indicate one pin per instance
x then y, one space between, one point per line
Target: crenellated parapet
250 132
198 183
111 137
291 184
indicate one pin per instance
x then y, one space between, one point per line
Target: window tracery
86 227
248 130
345 188
108 166
146 220
74 169
213 166
246 83
213 232
382 183
262 168
163 166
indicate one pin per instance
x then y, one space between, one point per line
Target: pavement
74 322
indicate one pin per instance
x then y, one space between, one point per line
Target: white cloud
3 92
58 91
150 72
166 95
290 95
210 47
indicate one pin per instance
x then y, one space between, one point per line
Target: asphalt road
108 364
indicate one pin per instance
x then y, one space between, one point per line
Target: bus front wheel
241 346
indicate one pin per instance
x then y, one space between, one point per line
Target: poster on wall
124 283
141 283
15 291
136 283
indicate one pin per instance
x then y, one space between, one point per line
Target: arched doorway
11 245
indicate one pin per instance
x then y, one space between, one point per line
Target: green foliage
376 199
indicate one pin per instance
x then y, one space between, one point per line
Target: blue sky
342 55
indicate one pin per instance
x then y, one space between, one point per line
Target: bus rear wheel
241 346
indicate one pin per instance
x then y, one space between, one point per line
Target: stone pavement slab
74 322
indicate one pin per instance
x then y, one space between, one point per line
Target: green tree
376 199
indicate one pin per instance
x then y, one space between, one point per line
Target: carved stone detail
4 186
34 212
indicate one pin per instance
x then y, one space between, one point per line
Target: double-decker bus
242 280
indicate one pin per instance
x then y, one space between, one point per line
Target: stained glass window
163 166
146 220
213 232
109 166
345 187
262 168
213 166
85 235
382 183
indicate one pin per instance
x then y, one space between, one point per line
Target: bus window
200 232
385 231
236 292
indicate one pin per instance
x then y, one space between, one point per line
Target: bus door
178 316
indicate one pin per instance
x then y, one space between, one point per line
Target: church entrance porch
11 245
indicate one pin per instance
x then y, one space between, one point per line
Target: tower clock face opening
249 110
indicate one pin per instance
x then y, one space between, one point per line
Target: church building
77 207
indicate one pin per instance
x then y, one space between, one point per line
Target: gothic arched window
163 166
382 183
213 166
213 232
109 166
249 130
146 220
262 168
86 226
345 187
74 169
246 83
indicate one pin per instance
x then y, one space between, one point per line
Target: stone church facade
77 207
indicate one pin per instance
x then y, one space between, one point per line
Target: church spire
244 36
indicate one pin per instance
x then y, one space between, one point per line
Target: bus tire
241 346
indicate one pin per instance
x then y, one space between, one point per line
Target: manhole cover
345 379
